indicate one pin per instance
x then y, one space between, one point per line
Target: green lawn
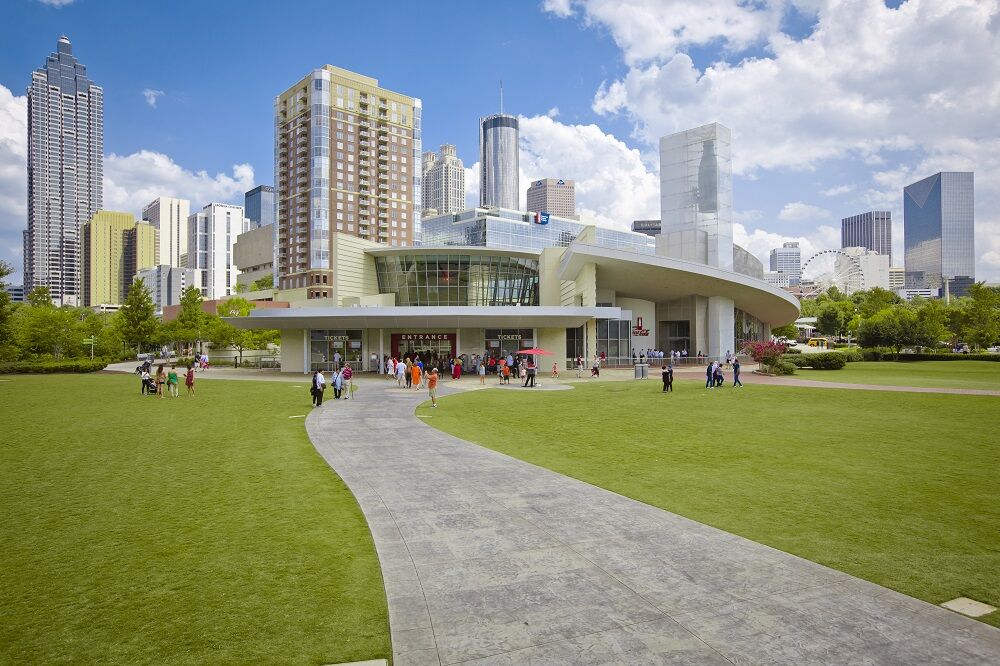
898 488
200 530
936 374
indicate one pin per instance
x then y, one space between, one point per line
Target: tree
225 334
6 314
894 327
766 353
830 320
932 323
873 300
46 329
136 320
192 324
981 316
266 282
787 331
40 296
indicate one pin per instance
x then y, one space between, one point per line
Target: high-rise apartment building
258 206
166 284
498 162
443 186
65 172
211 236
871 230
347 160
788 259
939 233
553 195
170 217
115 248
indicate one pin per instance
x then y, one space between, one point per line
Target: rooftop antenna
501 97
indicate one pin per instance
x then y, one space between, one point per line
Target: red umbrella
534 352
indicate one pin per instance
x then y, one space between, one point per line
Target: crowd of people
341 382
164 381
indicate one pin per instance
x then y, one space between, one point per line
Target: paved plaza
490 560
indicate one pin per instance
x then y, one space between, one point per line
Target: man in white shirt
318 386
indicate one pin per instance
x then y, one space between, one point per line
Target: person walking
736 372
432 386
482 374
555 371
172 381
189 380
579 367
348 378
401 374
710 375
161 378
415 375
408 369
665 376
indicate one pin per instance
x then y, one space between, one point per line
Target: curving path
490 560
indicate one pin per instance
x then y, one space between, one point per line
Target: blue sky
834 106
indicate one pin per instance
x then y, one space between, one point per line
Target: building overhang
415 317
438 250
663 279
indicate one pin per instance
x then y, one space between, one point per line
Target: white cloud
797 211
553 112
13 176
651 29
837 190
152 96
56 3
131 181
760 242
472 186
613 185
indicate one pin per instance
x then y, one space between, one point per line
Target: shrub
798 360
879 354
853 355
818 361
783 368
79 365
793 350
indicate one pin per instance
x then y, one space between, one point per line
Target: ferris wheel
831 268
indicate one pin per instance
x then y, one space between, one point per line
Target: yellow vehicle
822 343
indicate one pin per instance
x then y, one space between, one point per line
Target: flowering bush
766 353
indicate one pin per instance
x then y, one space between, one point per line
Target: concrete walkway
490 560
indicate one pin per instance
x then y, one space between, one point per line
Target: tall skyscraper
787 260
211 236
871 230
696 195
259 206
553 195
347 160
65 172
443 187
498 162
170 217
115 247
939 232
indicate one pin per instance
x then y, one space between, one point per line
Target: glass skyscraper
871 230
65 172
498 162
939 232
259 206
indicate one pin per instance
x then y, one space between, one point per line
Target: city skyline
797 188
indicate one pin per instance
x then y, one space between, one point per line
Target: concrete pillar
721 326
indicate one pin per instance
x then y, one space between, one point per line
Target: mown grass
896 488
200 530
933 374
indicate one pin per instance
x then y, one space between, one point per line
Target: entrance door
426 345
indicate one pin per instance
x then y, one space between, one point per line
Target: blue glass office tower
259 206
939 232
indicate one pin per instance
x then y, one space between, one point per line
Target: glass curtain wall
614 339
747 329
325 345
458 280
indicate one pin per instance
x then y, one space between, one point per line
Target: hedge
888 355
818 361
783 368
48 367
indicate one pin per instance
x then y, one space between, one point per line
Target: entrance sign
443 344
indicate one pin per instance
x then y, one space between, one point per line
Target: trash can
641 371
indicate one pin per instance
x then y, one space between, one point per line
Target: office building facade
65 172
115 248
553 195
16 293
871 230
169 216
939 233
211 236
787 259
897 278
254 255
499 164
347 159
443 182
258 206
166 284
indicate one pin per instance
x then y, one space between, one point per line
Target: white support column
381 353
721 326
306 350
458 342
